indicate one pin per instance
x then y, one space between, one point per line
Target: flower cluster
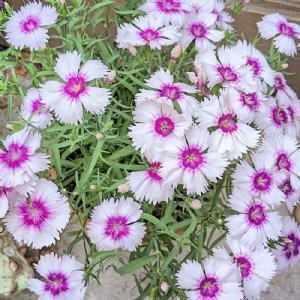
226 129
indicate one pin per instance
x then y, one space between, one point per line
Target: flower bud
132 50
93 187
165 287
284 66
195 204
220 222
123 188
175 53
111 76
99 136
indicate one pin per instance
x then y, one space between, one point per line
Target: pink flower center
283 162
15 156
255 65
262 181
116 227
36 105
227 74
251 101
149 35
57 283
256 215
153 171
292 247
75 87
168 6
279 116
192 158
279 83
171 92
287 188
30 25
227 124
286 29
209 287
34 214
245 266
164 126
198 30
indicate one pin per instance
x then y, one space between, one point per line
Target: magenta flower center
251 101
227 74
245 266
227 124
209 288
116 227
75 87
15 156
279 84
153 171
287 188
170 91
198 30
283 162
36 105
168 6
256 215
279 116
292 247
255 65
30 25
192 158
286 29
34 214
164 126
149 35
57 283
262 181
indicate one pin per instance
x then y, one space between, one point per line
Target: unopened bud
195 204
175 53
99 136
75 193
165 287
220 221
284 66
63 191
287 241
93 187
111 76
132 50
123 188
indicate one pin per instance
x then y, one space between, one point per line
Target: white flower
62 278
284 94
292 195
228 66
231 137
115 224
155 124
223 18
26 27
257 267
259 180
186 162
67 99
276 26
165 90
38 221
287 252
147 30
201 28
214 279
254 224
148 185
256 60
34 111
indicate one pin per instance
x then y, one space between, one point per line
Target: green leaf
135 265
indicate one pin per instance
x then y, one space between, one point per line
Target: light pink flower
115 224
20 160
67 99
26 27
38 221
62 278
